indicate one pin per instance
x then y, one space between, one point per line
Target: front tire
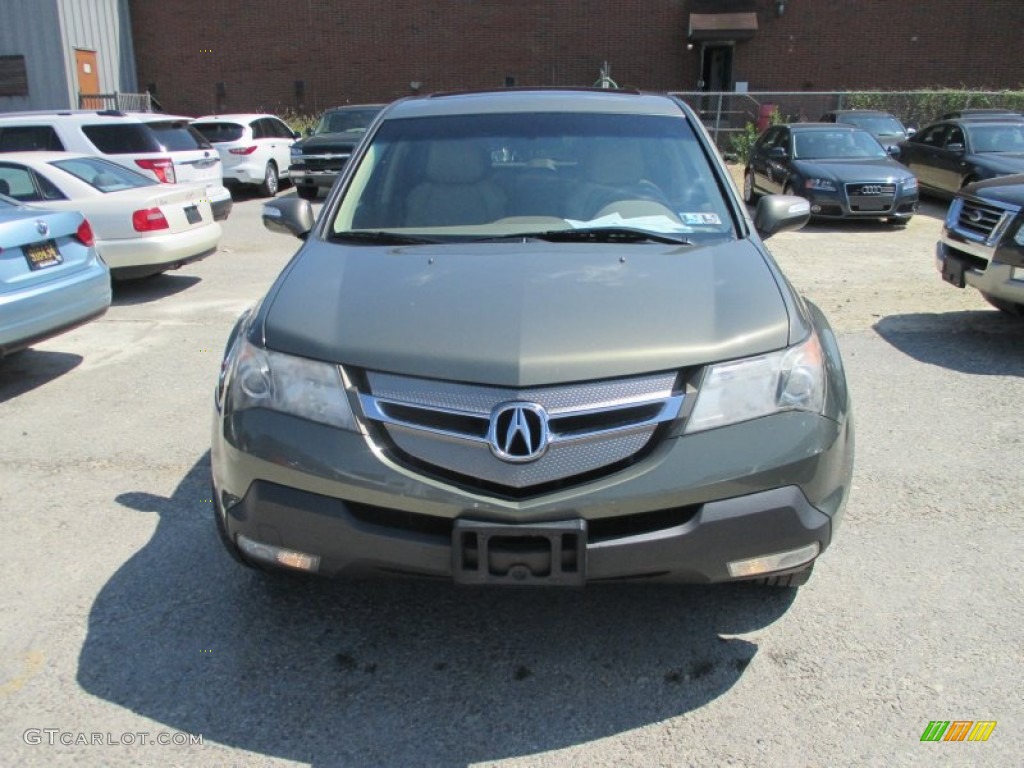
749 195
306 191
271 181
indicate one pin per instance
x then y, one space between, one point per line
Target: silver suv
164 147
534 338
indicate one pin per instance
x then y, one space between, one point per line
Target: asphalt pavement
125 624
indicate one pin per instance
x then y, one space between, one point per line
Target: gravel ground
123 618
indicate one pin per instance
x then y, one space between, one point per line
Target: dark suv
318 158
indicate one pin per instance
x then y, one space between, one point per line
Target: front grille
451 429
324 162
870 196
982 222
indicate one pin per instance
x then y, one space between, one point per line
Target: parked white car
141 227
255 149
163 147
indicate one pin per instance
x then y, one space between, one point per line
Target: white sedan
142 227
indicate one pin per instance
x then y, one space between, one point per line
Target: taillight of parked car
149 220
163 167
84 234
243 150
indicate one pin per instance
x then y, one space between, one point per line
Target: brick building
239 55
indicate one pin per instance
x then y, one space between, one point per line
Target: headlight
787 380
306 388
909 184
296 151
822 185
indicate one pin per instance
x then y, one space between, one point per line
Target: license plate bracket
42 255
953 271
534 554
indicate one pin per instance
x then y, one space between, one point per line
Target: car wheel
788 580
271 182
306 192
749 195
1009 307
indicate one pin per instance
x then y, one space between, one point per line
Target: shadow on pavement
32 368
130 292
396 672
979 341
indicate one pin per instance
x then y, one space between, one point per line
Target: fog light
780 561
815 208
279 555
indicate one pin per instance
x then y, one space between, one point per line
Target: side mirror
911 131
296 135
956 148
289 216
780 213
893 150
778 153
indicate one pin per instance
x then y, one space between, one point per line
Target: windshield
876 124
518 175
836 145
104 175
346 120
997 138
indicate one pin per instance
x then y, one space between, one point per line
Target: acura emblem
976 216
42 227
518 432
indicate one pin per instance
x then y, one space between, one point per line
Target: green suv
534 338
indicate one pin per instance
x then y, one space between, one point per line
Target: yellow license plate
42 255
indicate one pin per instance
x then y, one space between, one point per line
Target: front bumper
965 265
681 514
837 205
301 176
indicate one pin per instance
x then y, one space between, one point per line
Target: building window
13 76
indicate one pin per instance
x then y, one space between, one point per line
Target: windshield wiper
379 237
608 235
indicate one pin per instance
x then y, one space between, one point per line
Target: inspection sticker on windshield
700 218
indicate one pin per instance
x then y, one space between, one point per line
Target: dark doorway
716 68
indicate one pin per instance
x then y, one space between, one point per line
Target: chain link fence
734 119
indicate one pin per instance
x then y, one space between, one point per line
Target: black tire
306 191
788 580
271 181
749 195
1011 308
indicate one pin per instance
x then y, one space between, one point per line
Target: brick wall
352 51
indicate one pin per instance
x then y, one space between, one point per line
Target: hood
853 170
515 314
346 141
1002 189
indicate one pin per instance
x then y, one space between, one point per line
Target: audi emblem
871 189
518 432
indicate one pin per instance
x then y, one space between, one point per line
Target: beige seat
612 170
456 190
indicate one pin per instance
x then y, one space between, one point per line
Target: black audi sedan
842 170
950 154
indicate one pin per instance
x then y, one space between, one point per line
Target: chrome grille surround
448 425
979 221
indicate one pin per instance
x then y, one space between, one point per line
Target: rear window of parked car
122 139
177 136
29 138
104 175
220 132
